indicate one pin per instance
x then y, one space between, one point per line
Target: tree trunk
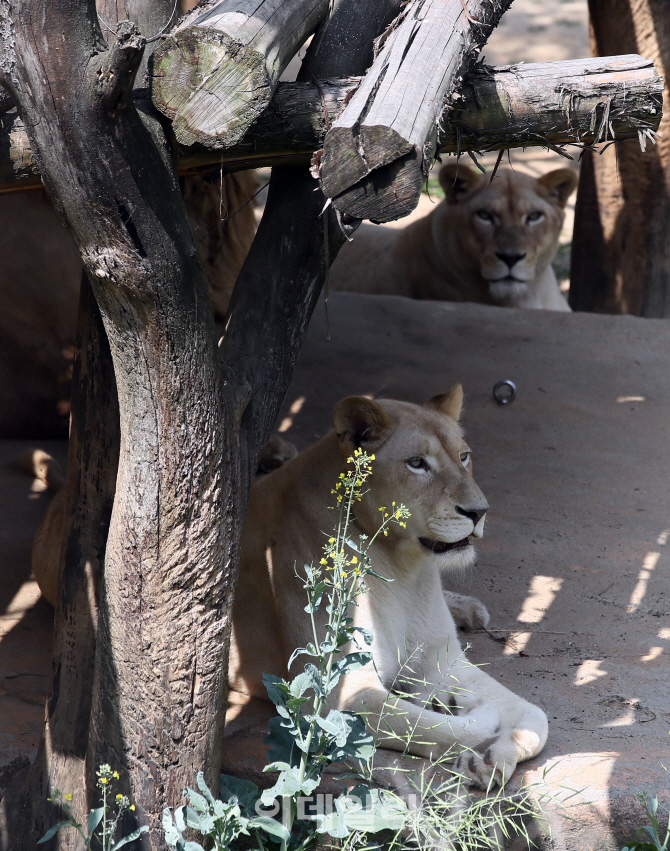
218 70
91 476
620 257
159 683
553 103
378 153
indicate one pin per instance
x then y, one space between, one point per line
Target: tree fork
582 101
159 683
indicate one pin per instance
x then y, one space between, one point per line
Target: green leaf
276 688
197 802
194 819
359 745
316 680
315 597
172 833
300 685
131 837
350 662
204 788
270 826
368 637
94 819
193 846
381 811
335 724
244 791
179 818
53 831
281 742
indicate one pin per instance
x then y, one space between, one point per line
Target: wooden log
547 104
388 131
219 69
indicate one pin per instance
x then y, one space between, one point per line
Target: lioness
423 461
490 242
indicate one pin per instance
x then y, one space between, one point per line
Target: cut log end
211 87
349 155
371 199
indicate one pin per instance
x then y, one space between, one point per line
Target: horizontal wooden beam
581 102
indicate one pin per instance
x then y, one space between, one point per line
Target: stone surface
574 567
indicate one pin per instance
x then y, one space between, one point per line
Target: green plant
303 738
103 822
654 829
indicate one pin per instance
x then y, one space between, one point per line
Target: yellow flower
331 540
354 560
323 561
119 797
132 807
104 780
115 775
68 796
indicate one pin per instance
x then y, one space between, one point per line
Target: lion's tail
44 468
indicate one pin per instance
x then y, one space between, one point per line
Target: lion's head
502 233
423 461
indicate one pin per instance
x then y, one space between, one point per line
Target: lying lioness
490 242
422 461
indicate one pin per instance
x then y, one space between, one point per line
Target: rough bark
159 684
91 476
218 70
555 103
379 151
620 257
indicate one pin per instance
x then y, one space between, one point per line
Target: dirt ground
573 566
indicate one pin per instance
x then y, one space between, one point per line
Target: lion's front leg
403 725
521 735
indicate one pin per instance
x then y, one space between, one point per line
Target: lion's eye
465 458
417 463
535 216
484 215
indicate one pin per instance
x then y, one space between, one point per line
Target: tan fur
40 276
47 554
452 254
285 525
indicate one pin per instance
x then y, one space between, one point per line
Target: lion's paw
492 763
467 612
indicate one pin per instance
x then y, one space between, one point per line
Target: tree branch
219 69
545 104
379 151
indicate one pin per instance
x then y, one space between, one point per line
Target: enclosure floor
574 566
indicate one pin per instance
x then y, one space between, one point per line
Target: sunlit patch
621 399
588 672
654 653
541 595
663 538
650 562
516 643
24 599
295 408
664 632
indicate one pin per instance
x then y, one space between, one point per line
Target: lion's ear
559 184
459 181
449 403
360 422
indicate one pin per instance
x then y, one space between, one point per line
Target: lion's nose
509 259
475 515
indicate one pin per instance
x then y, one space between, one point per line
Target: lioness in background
423 461
489 242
